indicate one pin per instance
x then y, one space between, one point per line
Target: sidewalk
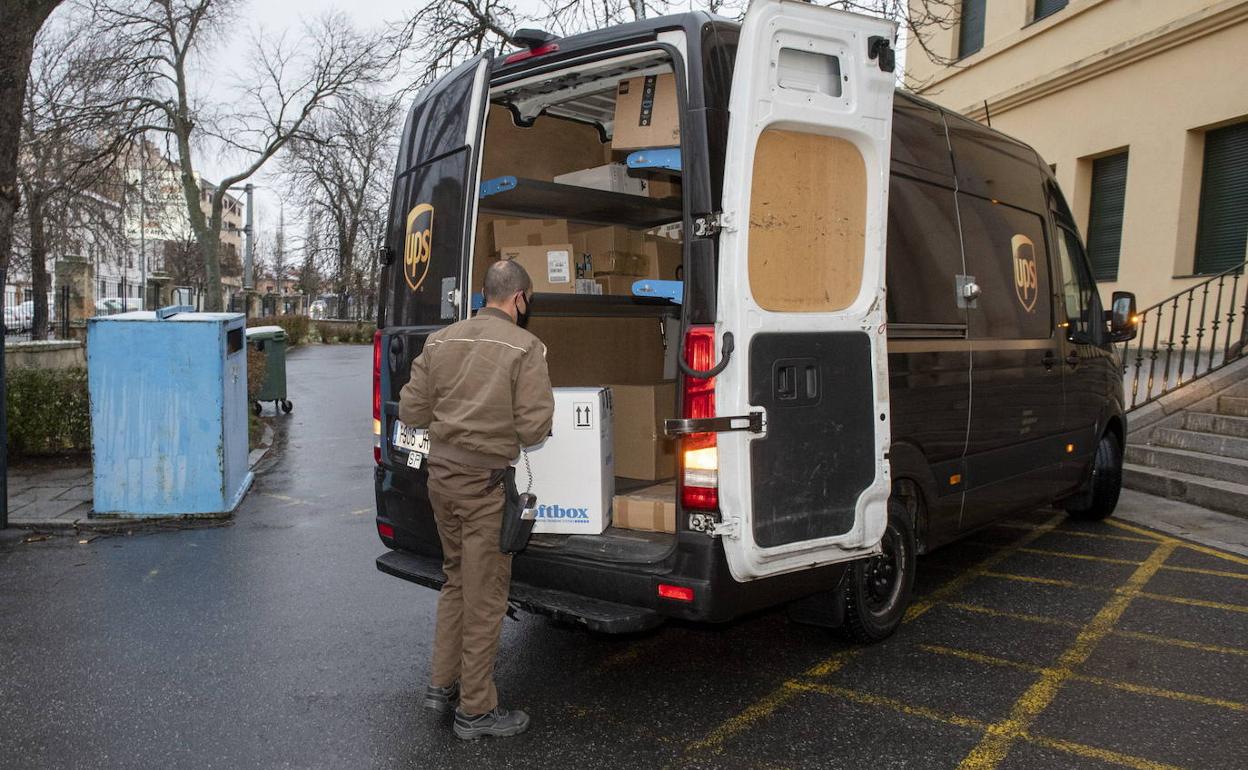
57 494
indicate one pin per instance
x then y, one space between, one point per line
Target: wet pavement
274 642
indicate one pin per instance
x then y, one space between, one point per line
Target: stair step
1186 461
1196 441
1238 390
1223 425
1225 496
1234 406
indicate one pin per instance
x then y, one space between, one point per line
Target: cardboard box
652 509
587 286
660 187
641 449
665 258
646 113
574 469
612 177
529 232
620 285
674 231
551 267
595 240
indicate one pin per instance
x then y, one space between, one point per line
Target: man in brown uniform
482 389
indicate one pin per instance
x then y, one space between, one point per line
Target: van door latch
708 225
752 422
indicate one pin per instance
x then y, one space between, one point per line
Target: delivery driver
481 388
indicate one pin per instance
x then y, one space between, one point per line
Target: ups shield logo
1025 284
417 245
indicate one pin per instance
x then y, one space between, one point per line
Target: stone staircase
1195 452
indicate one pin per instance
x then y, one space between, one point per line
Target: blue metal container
168 412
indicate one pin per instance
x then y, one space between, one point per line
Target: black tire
257 407
287 406
1101 497
877 590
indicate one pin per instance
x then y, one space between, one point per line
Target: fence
19 319
1187 336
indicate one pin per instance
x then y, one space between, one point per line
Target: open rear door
802 289
429 237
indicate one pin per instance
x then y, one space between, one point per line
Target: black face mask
522 318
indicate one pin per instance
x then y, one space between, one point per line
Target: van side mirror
1123 320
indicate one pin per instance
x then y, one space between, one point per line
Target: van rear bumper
595 614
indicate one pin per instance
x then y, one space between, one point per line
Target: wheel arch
908 464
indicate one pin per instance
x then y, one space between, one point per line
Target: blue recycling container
168 412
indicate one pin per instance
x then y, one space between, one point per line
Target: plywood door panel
808 210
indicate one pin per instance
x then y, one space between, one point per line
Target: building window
1222 231
1048 8
1109 195
971 27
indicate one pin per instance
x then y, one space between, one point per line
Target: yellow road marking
1140 689
1151 539
1070 747
1195 602
1231 557
999 738
1081 556
1136 635
1092 752
1202 571
1039 580
765 706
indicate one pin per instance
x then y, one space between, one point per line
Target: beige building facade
1142 86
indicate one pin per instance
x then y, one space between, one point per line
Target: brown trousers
469 512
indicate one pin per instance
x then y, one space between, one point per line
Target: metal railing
19 318
1186 336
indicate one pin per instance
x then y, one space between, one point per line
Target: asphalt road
274 642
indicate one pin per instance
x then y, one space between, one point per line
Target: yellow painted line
1081 556
1231 557
991 612
1092 752
1152 540
1000 736
1213 572
1132 687
1195 602
881 701
1038 580
1069 747
767 705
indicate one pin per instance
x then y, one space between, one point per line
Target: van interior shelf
598 305
530 197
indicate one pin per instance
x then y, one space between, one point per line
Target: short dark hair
504 278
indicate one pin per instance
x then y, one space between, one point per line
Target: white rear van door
801 288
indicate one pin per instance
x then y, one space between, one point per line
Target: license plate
410 439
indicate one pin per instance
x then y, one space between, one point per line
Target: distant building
1142 109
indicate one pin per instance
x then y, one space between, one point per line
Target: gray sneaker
441 699
500 723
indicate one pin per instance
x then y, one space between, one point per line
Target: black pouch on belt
519 514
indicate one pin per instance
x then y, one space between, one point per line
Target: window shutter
1048 7
1222 232
1109 193
971 27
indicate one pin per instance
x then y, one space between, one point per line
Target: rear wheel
877 590
1101 497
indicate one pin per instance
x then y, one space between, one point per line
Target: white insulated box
574 469
613 177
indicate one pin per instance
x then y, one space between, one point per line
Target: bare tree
341 172
73 134
294 77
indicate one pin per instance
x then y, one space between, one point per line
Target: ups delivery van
856 325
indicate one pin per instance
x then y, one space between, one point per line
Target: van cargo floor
627 546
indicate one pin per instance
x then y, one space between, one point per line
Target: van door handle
1049 360
754 422
396 351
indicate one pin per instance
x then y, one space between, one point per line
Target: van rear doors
802 289
429 231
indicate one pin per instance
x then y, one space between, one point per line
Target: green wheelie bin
271 341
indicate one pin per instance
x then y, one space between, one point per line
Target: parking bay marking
769 703
1000 736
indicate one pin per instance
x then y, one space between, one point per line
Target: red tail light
679 593
385 530
377 397
541 50
699 488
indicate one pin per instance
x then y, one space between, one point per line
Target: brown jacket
481 388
